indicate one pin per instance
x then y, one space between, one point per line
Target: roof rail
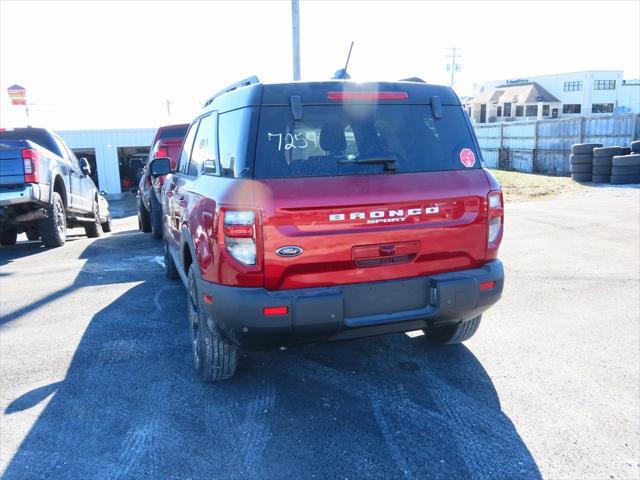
412 79
242 83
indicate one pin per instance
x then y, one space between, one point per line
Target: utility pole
169 102
295 30
453 66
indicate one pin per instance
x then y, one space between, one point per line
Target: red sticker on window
467 157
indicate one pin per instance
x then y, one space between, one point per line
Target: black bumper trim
349 311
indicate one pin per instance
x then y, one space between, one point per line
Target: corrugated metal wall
544 146
106 143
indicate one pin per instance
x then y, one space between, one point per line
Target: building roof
525 92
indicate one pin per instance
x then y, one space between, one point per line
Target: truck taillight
240 235
495 216
31 161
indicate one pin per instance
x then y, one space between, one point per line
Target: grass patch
518 186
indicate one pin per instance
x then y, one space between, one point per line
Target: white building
109 153
592 92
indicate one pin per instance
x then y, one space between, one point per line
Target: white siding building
109 151
590 92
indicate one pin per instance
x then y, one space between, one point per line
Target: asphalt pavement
97 380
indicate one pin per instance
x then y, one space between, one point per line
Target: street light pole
295 24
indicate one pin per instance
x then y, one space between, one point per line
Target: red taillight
161 152
340 96
275 310
238 231
487 285
208 299
31 161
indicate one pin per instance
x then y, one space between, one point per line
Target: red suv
303 212
166 143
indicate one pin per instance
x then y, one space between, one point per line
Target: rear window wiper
388 162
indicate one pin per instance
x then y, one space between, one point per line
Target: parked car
45 189
333 210
166 143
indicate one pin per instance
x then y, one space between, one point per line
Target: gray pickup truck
45 189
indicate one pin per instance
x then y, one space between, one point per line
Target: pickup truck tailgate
11 164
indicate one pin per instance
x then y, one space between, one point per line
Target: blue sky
97 64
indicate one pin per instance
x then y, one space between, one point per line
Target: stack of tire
582 161
602 162
625 168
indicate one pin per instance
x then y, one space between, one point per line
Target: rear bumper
29 193
349 311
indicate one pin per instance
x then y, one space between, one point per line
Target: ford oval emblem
289 251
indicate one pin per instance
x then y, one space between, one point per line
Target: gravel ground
97 380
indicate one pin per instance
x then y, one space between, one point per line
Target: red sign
18 101
467 157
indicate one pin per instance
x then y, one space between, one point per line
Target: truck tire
9 237
626 160
169 265
624 179
626 170
602 162
156 216
144 222
581 168
626 151
94 229
635 146
32 235
576 158
584 148
606 151
106 226
601 178
53 229
213 358
601 170
581 177
452 334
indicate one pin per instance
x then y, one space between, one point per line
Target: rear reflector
275 310
238 231
208 299
487 285
367 95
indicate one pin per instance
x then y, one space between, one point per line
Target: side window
234 130
66 152
203 156
185 152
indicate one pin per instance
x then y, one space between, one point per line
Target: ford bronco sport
303 212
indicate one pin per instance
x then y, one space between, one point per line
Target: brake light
367 95
240 235
161 152
487 285
275 310
31 161
495 216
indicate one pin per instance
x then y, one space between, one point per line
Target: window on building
545 110
573 86
519 110
571 108
507 109
602 108
499 112
604 84
531 111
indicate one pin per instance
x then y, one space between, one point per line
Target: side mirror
103 193
160 166
85 168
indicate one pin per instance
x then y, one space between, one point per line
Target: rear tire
169 265
581 177
453 334
156 216
94 229
9 237
144 222
214 359
53 229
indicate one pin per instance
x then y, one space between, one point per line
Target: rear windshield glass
40 137
361 139
173 132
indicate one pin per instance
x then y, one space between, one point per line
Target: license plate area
392 297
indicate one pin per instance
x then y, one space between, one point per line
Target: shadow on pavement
131 405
